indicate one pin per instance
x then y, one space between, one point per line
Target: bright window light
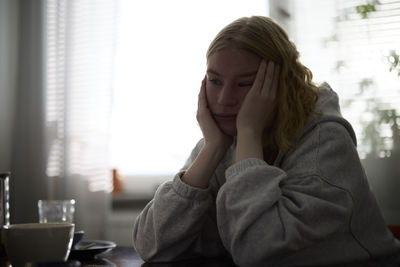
160 63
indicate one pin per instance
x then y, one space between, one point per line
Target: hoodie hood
328 110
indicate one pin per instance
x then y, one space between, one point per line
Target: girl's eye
215 81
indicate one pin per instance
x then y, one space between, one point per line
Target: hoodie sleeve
178 223
270 213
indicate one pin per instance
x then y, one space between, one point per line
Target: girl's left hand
258 108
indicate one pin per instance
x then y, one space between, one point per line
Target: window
79 47
160 64
354 55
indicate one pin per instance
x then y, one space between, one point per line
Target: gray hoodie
313 206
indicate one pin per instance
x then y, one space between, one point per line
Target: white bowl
35 242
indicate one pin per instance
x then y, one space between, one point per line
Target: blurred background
98 97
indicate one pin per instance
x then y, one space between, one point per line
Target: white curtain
80 41
56 125
27 153
8 81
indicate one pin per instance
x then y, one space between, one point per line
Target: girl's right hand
213 136
215 146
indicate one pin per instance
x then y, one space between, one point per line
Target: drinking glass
4 208
56 210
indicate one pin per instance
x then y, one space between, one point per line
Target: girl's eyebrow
212 71
246 74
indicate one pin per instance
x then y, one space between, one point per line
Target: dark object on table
78 235
395 229
200 262
69 263
88 249
100 262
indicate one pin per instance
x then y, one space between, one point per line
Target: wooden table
127 257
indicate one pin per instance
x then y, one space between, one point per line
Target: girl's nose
226 96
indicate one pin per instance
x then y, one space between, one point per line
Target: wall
8 77
281 12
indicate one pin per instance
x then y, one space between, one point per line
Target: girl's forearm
200 172
248 145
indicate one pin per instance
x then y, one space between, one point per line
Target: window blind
80 37
351 53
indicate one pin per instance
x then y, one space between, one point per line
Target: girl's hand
215 146
258 108
213 136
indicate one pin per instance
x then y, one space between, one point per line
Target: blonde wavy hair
297 94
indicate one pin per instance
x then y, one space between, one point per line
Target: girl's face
230 75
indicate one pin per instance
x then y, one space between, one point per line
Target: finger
259 80
275 81
269 76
